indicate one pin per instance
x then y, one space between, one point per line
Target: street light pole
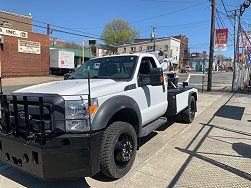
211 53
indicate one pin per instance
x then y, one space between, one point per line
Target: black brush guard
33 139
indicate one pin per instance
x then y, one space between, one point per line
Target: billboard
30 47
13 32
221 39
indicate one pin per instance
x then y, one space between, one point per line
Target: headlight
77 115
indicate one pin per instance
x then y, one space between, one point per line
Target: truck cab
91 122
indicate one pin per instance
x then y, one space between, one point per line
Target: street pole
204 62
154 38
234 63
83 52
238 48
211 53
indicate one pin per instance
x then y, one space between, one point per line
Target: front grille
27 117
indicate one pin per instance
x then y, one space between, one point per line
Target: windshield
119 67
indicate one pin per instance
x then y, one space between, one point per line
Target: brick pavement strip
213 151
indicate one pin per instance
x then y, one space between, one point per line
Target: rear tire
118 149
188 114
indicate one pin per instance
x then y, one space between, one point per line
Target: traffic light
245 5
92 42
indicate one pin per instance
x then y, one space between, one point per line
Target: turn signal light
161 79
93 109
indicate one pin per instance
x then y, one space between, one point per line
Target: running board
152 126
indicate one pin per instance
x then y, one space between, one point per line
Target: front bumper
68 156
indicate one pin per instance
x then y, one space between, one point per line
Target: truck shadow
143 141
223 137
26 180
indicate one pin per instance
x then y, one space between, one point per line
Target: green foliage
72 45
118 32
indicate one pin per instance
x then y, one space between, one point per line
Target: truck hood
99 87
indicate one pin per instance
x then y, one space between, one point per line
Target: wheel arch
118 108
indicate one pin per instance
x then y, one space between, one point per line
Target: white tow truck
93 120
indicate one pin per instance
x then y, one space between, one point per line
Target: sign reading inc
13 32
29 47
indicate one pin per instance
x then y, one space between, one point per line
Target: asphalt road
220 80
9 89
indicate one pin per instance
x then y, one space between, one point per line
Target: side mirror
66 76
156 77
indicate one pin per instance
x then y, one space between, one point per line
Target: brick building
15 21
184 54
22 52
170 47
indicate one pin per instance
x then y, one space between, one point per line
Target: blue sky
170 17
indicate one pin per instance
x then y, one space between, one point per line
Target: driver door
154 101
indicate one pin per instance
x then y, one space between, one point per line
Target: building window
124 50
133 49
150 48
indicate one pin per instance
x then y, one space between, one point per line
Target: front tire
188 114
118 149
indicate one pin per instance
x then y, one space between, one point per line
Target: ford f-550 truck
93 120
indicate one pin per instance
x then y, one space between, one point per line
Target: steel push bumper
65 157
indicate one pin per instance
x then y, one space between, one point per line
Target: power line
170 1
223 25
78 31
223 4
165 14
186 24
56 30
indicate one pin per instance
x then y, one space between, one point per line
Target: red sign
221 36
62 62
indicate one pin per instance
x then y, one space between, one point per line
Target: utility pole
234 63
204 62
154 37
211 53
49 30
237 63
83 52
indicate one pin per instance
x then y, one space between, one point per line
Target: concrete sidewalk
213 151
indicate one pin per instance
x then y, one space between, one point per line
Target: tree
118 32
220 59
72 45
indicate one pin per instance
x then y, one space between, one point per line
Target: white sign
29 47
13 32
220 47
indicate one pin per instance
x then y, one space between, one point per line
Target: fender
110 107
